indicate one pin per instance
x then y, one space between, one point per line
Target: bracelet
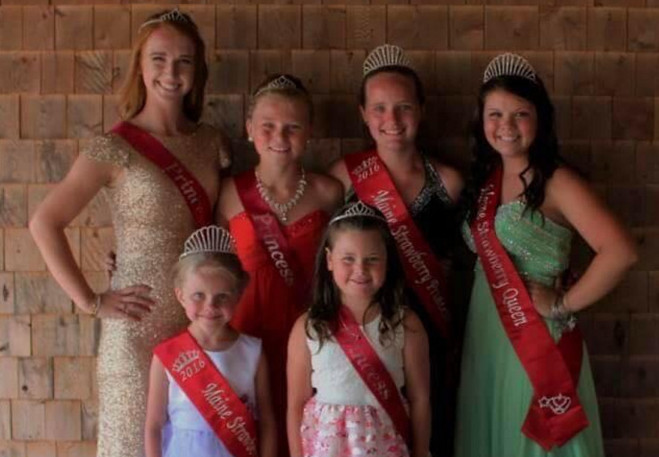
558 311
561 314
97 305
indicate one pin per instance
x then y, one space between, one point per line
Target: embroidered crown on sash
509 65
211 238
359 209
184 359
170 16
387 55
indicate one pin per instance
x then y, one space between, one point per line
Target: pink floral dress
343 418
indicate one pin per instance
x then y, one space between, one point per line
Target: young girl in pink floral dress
358 370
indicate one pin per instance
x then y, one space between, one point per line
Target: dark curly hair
323 313
544 157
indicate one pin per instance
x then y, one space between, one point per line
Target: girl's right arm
298 373
156 409
58 209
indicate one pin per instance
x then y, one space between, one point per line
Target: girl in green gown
541 203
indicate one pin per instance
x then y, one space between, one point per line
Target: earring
250 139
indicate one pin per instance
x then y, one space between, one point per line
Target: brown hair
132 94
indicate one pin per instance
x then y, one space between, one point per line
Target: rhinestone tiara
359 209
170 16
386 55
281 83
509 65
211 238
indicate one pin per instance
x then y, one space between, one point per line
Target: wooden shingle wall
61 62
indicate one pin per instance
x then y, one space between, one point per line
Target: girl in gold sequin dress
163 96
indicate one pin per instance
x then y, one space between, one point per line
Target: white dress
186 431
344 418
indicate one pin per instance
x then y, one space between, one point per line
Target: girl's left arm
417 382
298 384
615 249
267 429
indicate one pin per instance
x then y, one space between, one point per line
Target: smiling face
509 123
280 127
209 295
357 260
391 110
167 65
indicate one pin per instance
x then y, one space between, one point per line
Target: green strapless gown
495 391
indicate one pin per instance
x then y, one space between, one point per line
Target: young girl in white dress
208 282
358 291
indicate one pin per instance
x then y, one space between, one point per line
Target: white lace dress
344 418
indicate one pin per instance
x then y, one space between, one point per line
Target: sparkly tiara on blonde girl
209 239
509 65
174 15
387 55
281 83
359 209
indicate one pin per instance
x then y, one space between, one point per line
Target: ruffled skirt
330 430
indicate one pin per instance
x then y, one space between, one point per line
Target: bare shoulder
566 181
327 189
339 171
412 322
299 330
451 178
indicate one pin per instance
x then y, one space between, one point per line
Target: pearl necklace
282 209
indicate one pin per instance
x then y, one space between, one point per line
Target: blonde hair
132 95
299 92
214 260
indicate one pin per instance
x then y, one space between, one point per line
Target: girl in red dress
277 213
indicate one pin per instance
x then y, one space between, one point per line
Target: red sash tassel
193 193
555 414
210 392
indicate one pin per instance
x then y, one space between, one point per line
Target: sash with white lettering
193 193
424 273
267 227
555 414
371 369
210 393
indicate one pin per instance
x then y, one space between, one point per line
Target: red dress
268 309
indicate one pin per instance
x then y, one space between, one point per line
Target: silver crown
387 55
209 239
509 65
281 83
359 209
170 16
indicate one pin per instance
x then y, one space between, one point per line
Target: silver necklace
282 209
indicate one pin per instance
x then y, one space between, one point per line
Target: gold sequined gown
151 222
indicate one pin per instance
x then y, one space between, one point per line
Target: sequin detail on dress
151 222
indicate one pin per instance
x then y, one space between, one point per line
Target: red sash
555 414
370 368
423 272
193 193
267 227
209 391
